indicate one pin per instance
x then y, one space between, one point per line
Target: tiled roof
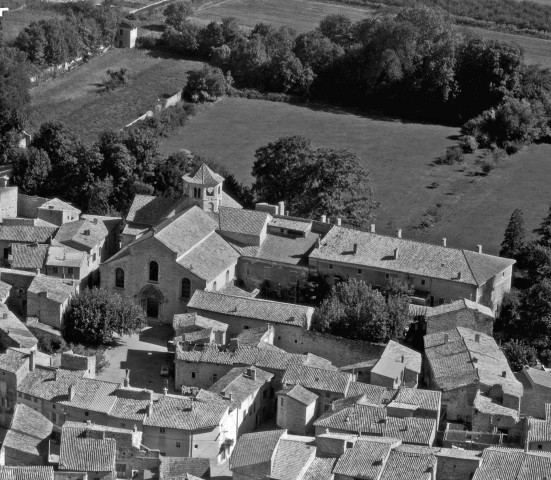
64 256
55 288
404 465
538 430
240 385
58 204
184 231
485 405
254 308
93 395
29 432
414 258
29 256
30 222
458 305
373 393
300 394
411 358
260 357
82 234
87 454
428 400
26 473
388 368
294 224
24 234
5 289
49 383
129 409
317 379
365 460
15 330
538 377
228 201
182 321
290 458
458 453
204 176
252 337
373 420
12 360
148 210
512 464
247 222
255 448
283 249
175 467
321 468
452 362
178 412
231 289
209 258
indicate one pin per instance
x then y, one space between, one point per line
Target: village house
29 473
537 391
456 463
14 366
202 365
437 273
512 464
461 362
248 390
297 409
242 313
460 313
192 323
27 439
13 332
538 432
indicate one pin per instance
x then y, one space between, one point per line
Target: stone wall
27 206
8 202
294 416
452 468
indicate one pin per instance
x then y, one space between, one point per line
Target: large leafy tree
96 315
313 182
514 239
355 310
519 354
31 168
544 230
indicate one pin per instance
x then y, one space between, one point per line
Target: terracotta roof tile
300 394
365 460
317 379
49 383
55 288
404 465
396 352
58 204
204 176
26 473
175 467
30 256
291 458
148 210
15 330
321 468
29 432
87 454
241 385
12 360
25 234
247 222
255 448
94 395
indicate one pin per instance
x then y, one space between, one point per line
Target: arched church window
153 271
119 278
186 288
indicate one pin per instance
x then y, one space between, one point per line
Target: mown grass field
400 157
75 98
19 16
302 15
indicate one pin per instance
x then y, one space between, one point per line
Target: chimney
504 374
479 247
444 242
229 396
126 381
396 254
324 218
71 392
355 249
251 372
165 390
339 221
281 208
32 360
446 338
5 315
148 409
318 243
5 179
372 228
403 358
399 233
477 337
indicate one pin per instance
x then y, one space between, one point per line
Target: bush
205 85
115 79
487 166
452 156
468 143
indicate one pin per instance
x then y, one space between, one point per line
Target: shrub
487 166
115 79
205 85
468 143
452 156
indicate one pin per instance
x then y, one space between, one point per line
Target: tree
205 85
519 354
169 172
357 311
510 321
316 51
31 168
96 315
514 239
536 310
544 230
337 28
177 14
14 95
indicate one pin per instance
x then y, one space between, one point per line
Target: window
54 407
292 278
330 266
196 447
359 271
54 270
227 276
248 271
423 281
214 377
162 430
267 273
186 288
387 275
123 425
153 271
70 271
210 192
119 278
219 189
86 414
192 374
197 192
540 447
94 257
281 401
54 418
177 444
327 408
245 327
214 286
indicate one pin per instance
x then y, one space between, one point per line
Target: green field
19 16
400 157
302 15
75 99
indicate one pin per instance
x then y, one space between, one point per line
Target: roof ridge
253 298
469 265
